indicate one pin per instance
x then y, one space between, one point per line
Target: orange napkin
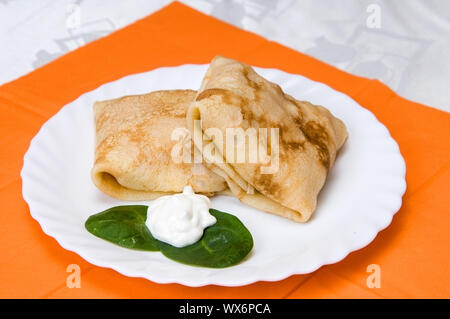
412 253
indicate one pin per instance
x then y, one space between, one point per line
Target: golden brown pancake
133 148
233 95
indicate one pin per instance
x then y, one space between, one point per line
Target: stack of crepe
135 145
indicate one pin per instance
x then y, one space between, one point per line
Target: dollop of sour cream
179 219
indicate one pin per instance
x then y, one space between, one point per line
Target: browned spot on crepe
315 133
228 97
250 82
266 183
254 85
225 94
318 136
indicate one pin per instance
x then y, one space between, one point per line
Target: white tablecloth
404 44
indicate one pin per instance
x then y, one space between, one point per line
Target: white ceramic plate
363 191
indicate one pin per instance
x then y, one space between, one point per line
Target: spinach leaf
223 244
124 226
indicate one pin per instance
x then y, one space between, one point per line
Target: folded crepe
307 137
136 155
